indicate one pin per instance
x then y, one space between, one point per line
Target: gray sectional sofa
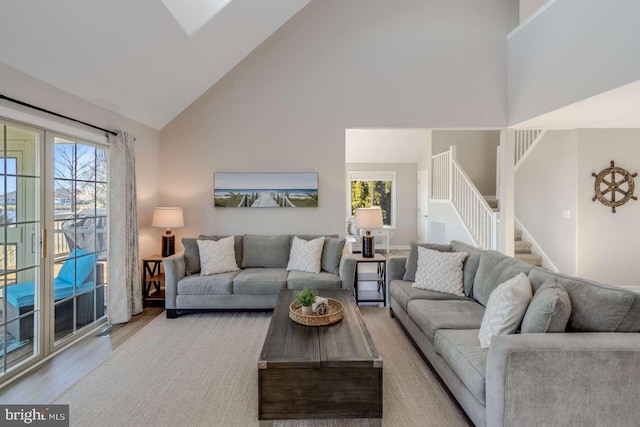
263 261
586 376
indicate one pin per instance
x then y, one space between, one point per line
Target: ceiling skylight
194 14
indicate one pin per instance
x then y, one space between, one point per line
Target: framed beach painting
265 190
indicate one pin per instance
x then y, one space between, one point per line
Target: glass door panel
80 235
20 250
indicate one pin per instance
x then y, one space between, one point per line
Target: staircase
522 250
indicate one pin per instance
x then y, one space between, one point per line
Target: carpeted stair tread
517 235
522 247
530 258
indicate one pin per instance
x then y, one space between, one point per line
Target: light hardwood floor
49 380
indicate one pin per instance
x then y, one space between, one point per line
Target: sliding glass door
53 242
80 235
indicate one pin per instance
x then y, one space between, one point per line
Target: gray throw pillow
191 255
411 266
549 310
331 255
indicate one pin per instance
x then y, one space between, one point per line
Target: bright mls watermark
34 415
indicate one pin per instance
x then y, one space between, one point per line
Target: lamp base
168 245
368 251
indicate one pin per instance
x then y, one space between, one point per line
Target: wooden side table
152 280
380 277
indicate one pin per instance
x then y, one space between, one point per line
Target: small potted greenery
306 298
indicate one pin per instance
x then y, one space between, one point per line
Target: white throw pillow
505 309
306 255
440 271
217 256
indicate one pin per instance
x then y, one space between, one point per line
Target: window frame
357 175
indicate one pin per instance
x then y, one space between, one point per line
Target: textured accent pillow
506 307
440 271
217 256
306 255
549 310
411 266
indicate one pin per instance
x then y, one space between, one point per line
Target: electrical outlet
566 214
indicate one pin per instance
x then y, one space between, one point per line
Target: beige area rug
201 370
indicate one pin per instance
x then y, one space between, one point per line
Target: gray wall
335 65
476 153
608 243
573 50
406 202
546 184
18 85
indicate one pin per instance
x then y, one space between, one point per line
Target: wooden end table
379 295
319 372
152 280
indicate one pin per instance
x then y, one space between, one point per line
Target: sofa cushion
433 315
78 268
332 254
192 254
495 268
217 256
403 292
594 307
440 271
462 352
471 264
505 309
216 284
548 311
411 265
322 280
265 251
306 255
260 281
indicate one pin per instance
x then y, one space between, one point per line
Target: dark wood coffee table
309 372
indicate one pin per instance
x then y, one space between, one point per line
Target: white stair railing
450 182
441 175
526 140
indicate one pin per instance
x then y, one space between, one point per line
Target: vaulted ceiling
145 59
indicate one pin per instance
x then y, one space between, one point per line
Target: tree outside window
366 193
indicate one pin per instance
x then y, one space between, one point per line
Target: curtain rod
6 98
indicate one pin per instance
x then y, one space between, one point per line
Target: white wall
16 84
335 65
573 50
528 7
546 184
406 197
476 153
608 243
444 212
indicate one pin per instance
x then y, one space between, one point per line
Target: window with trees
369 189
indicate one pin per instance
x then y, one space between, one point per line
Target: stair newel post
452 157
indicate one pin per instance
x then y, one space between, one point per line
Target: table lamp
368 218
168 218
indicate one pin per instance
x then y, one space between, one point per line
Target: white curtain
125 292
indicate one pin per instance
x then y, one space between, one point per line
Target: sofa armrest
561 379
347 269
396 268
174 270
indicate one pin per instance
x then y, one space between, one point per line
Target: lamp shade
369 218
168 218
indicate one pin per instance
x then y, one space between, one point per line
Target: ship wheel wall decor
614 186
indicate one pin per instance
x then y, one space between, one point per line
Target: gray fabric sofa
587 376
263 261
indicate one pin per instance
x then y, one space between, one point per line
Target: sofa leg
172 313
